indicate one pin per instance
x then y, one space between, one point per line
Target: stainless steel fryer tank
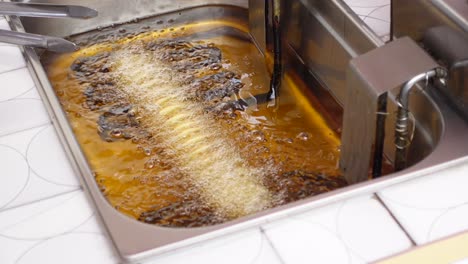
329 25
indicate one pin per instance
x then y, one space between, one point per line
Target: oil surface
156 116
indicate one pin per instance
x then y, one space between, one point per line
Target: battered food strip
226 182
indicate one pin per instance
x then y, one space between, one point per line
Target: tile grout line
25 129
275 250
41 199
14 69
413 242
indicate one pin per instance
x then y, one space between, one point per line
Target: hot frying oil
170 122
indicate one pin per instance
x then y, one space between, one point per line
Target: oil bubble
304 136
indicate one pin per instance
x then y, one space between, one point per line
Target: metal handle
46 10
38 41
42 10
402 135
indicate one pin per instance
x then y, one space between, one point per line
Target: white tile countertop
46 218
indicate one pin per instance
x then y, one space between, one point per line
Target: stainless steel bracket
369 78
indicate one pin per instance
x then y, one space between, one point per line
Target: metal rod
379 136
402 137
38 41
46 10
392 20
275 81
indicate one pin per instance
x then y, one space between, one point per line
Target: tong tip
81 12
61 45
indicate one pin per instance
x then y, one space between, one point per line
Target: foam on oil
224 179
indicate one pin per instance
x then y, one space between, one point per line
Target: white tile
30 94
379 20
376 14
425 219
359 230
73 248
367 3
362 11
20 141
63 229
47 218
381 13
432 206
13 249
47 158
21 183
15 83
450 221
21 114
14 175
38 189
12 58
19 107
243 247
369 230
439 190
302 242
92 225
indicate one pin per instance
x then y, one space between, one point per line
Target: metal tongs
42 10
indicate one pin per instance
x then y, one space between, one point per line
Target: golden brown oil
217 162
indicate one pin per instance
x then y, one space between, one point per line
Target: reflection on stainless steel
330 40
54 44
258 23
41 10
369 81
113 12
443 27
402 135
450 47
323 37
413 18
38 41
275 82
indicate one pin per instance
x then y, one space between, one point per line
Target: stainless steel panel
450 48
326 35
413 18
39 10
113 12
368 80
416 18
257 23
